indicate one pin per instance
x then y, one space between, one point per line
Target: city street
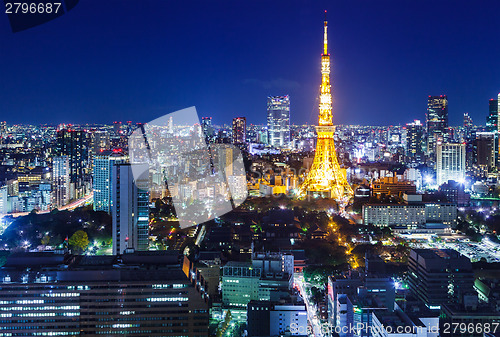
312 316
69 207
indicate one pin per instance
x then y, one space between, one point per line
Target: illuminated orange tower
325 176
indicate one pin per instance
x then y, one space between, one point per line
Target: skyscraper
492 119
130 209
60 180
101 184
278 120
493 125
450 162
414 138
485 149
75 144
437 121
467 120
100 141
206 125
239 130
117 128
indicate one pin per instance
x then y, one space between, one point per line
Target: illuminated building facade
117 128
103 164
325 176
130 210
414 139
269 277
239 130
493 124
100 141
468 123
450 162
492 119
437 121
413 213
60 180
75 144
393 186
206 125
278 121
138 294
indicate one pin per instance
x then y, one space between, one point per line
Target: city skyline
94 75
172 221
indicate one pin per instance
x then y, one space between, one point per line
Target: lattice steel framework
325 176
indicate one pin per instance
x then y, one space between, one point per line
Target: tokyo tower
325 176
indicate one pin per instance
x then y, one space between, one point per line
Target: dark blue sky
139 59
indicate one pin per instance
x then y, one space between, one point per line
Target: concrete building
393 186
61 180
410 215
437 122
352 299
278 121
438 277
144 293
130 209
450 162
101 183
485 145
264 279
270 319
239 130
455 193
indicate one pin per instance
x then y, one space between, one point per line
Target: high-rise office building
60 180
4 200
437 121
467 120
414 138
450 162
130 209
438 277
206 125
492 119
117 128
101 183
75 144
493 125
100 141
3 130
269 277
468 126
239 130
271 319
136 294
485 149
278 121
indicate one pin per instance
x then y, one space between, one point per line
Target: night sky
139 59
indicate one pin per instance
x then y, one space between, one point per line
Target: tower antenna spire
325 37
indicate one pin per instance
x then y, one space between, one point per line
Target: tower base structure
326 178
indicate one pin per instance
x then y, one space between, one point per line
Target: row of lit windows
47 333
45 307
166 286
41 314
167 299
